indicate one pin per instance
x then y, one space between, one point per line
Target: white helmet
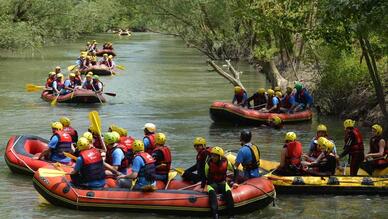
150 127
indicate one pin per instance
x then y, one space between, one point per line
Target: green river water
164 83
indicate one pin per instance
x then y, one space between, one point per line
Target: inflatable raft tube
227 112
79 96
105 51
101 70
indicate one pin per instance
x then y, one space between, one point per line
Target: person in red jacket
290 160
149 137
202 154
68 129
162 156
354 146
50 80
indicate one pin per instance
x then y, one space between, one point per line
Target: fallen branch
231 79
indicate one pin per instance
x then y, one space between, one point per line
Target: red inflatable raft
20 152
79 96
105 51
249 196
227 112
101 70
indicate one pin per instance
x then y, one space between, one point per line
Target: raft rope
271 196
17 157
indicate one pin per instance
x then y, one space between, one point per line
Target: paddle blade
71 67
33 88
110 94
95 122
54 102
45 172
172 175
179 170
120 67
70 156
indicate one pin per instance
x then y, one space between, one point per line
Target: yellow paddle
45 172
54 102
33 87
179 170
171 175
70 156
121 67
95 123
71 67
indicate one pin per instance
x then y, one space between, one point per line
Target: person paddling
202 154
259 99
216 179
58 85
88 171
115 154
240 96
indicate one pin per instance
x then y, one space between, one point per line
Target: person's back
162 156
248 156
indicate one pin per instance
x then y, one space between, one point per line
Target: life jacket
127 143
93 166
358 145
77 80
97 142
60 85
270 104
202 157
72 132
294 153
148 170
255 163
49 82
64 142
88 85
151 147
317 151
300 96
374 148
95 85
109 158
163 169
286 102
259 99
217 171
240 97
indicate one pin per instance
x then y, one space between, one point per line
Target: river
165 83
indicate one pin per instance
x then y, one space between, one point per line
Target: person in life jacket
149 137
248 156
354 146
69 84
97 141
111 64
273 103
58 85
275 122
88 82
125 140
103 60
77 78
259 99
59 142
240 96
115 154
87 62
89 137
50 80
303 98
93 58
68 129
162 156
288 102
290 160
202 154
216 169
326 163
314 149
80 62
57 70
377 158
143 169
93 47
97 85
88 171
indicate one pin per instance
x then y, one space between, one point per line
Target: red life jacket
60 85
294 153
240 97
77 80
72 132
49 82
127 142
163 169
286 102
64 142
97 142
217 171
202 155
358 145
148 170
109 158
151 147
93 167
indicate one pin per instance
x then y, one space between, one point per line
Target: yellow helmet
199 141
51 73
89 76
89 73
58 67
72 75
349 123
105 55
276 120
138 145
217 150
270 92
378 128
237 89
150 127
160 139
110 57
321 128
83 144
116 136
261 90
279 94
59 75
277 89
88 135
321 141
57 125
109 138
290 136
65 121
325 144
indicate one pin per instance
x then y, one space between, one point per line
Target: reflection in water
164 83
